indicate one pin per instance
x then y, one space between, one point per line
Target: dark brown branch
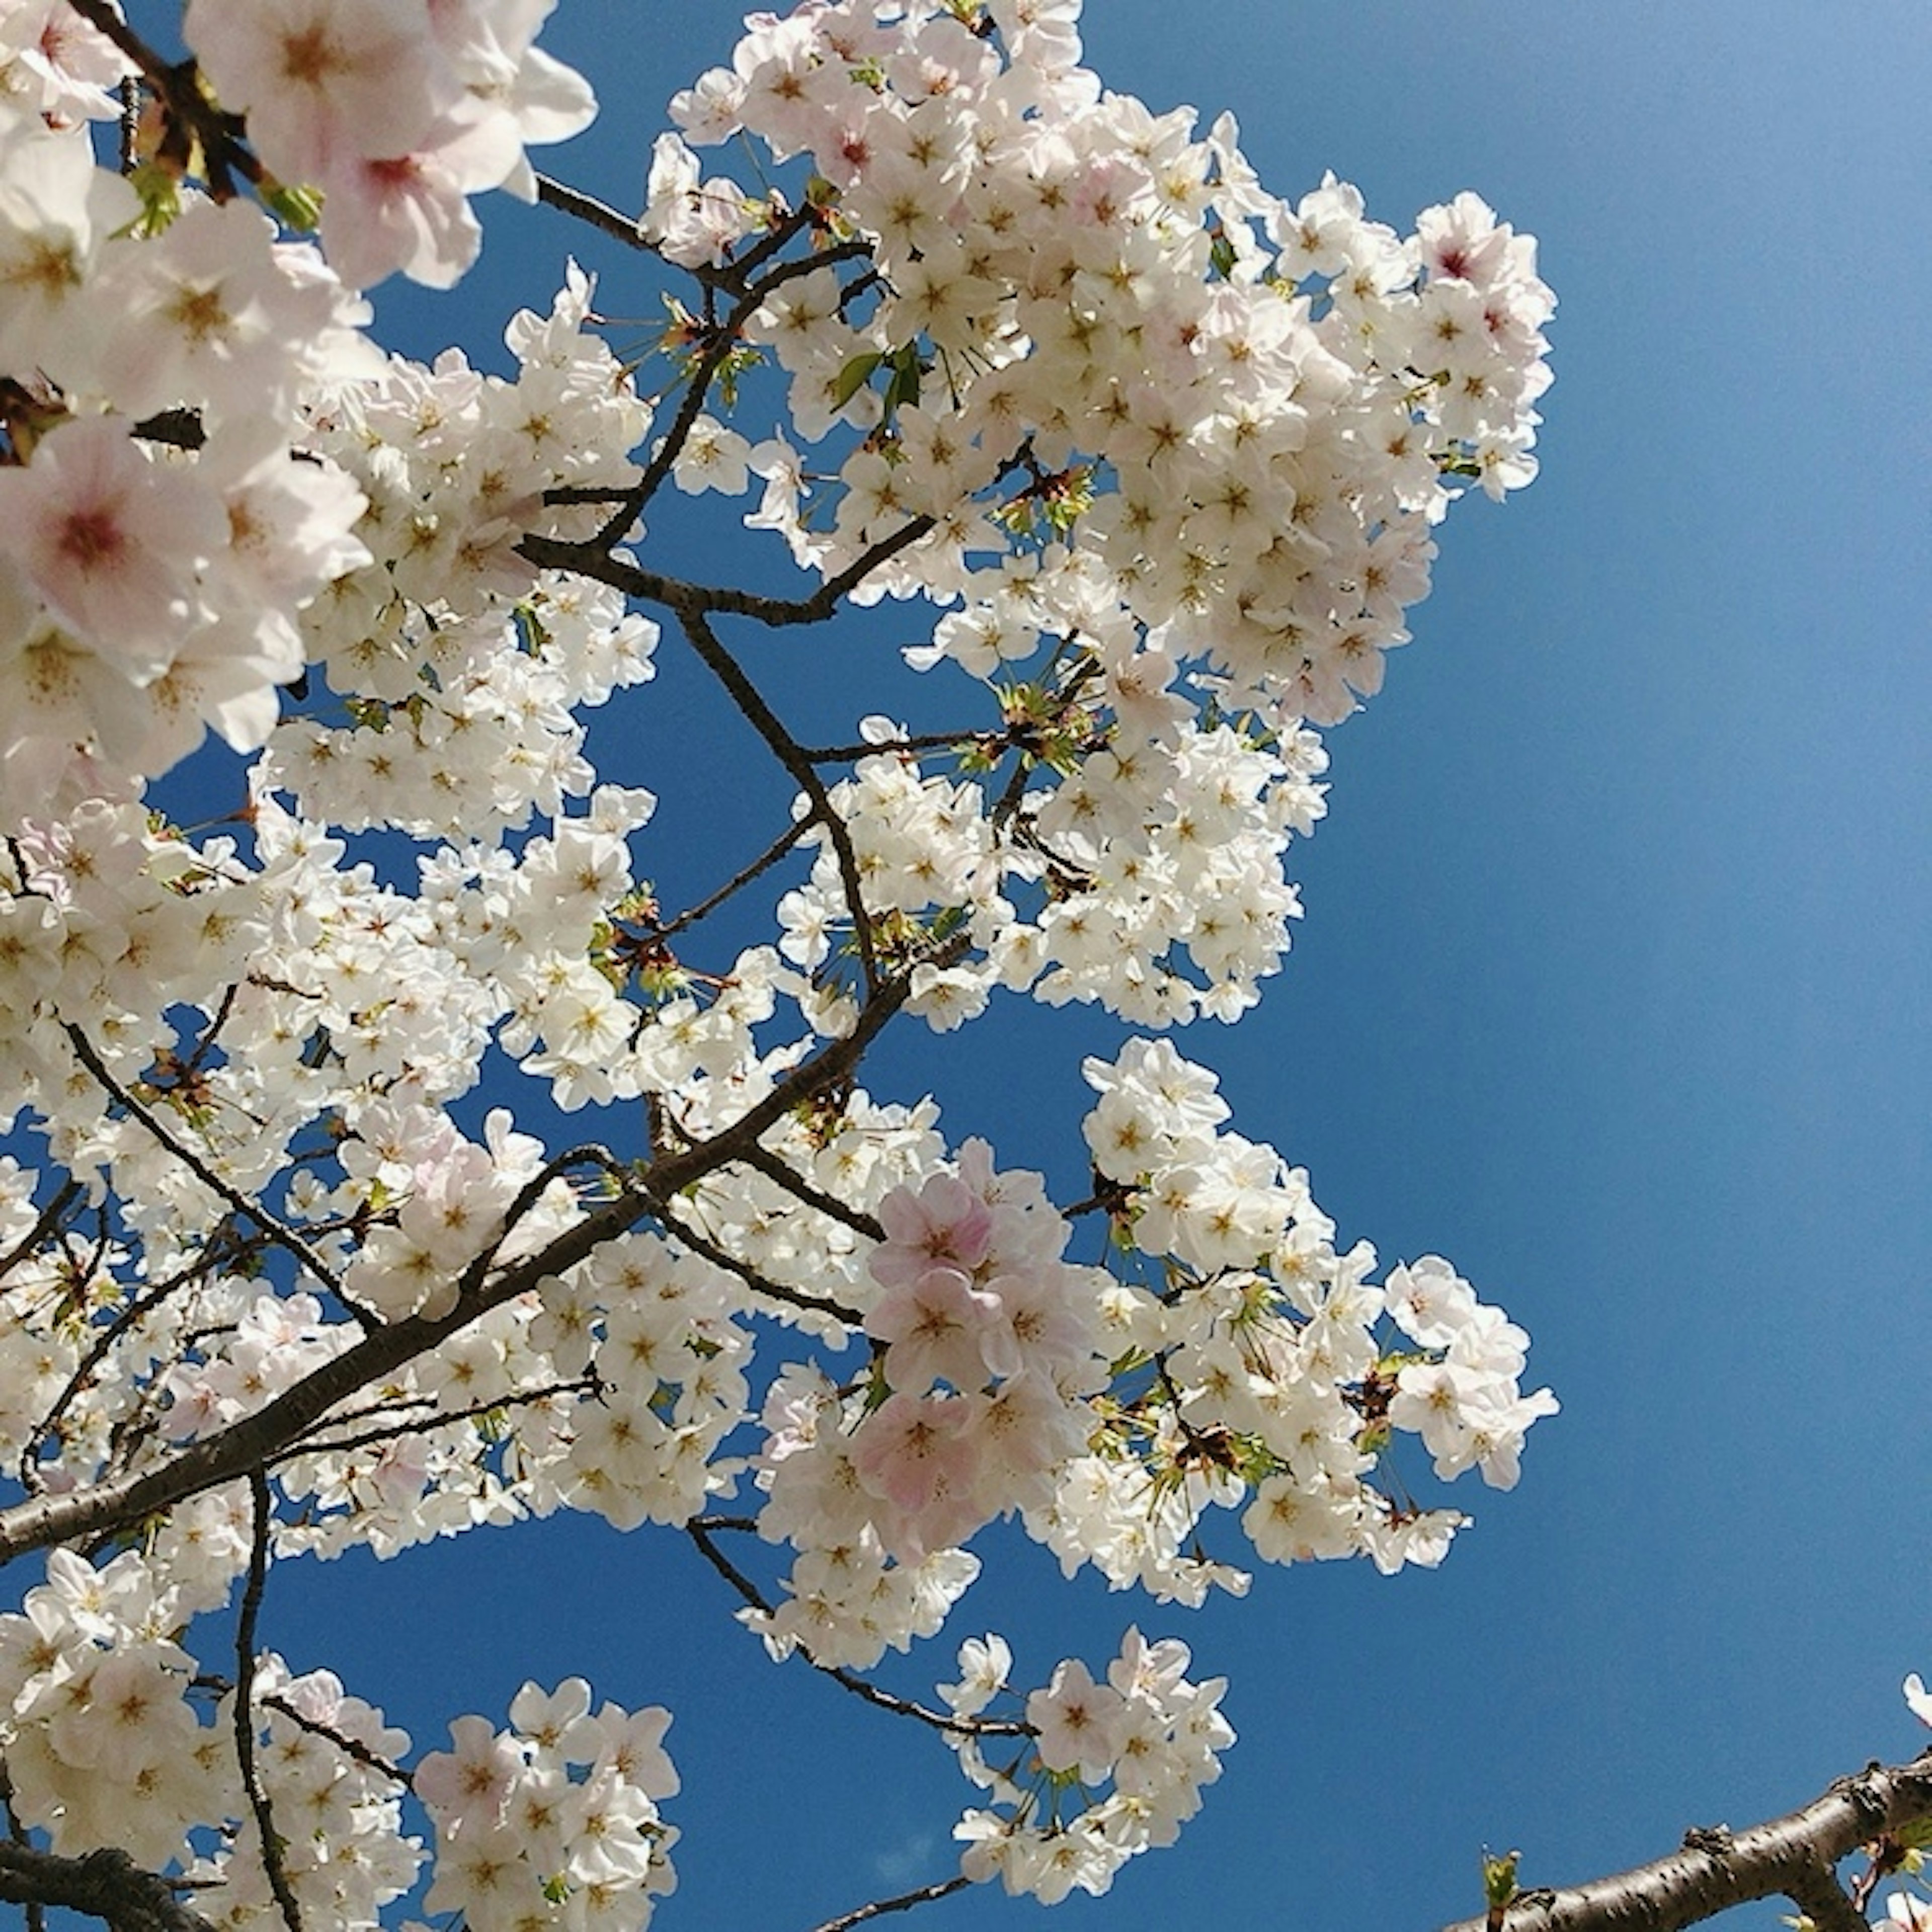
101 16
349 1747
763 863
251 1211
398 1425
918 741
795 1184
106 1884
779 613
16 1834
262 1523
904 1902
700 1528
41 1522
177 88
588 209
43 1225
783 746
1795 1857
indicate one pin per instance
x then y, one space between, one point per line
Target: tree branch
904 1901
779 613
107 1885
783 746
588 209
1794 1857
41 1522
263 1523
252 1211
700 1528
783 1175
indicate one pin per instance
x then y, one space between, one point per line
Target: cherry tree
1158 455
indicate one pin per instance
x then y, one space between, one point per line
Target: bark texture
1795 1857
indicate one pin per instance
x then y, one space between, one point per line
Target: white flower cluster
986 1345
1272 1379
396 111
657 1328
320 1755
1164 452
163 516
554 1822
1154 1734
102 1746
1242 410
170 505
461 665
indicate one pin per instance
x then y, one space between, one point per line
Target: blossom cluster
1243 409
169 359
1165 455
1146 1728
395 111
554 1822
986 1345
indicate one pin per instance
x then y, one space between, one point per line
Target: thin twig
701 1243
783 746
795 1184
43 1226
212 1256
925 1895
252 1211
586 1385
698 1530
264 1516
586 207
764 862
918 741
355 1747
779 612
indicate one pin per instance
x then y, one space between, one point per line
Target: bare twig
396 1426
783 746
699 1529
779 613
349 1747
879 1907
764 862
588 209
795 1184
283 1236
277 1876
43 1225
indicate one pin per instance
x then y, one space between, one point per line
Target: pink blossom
945 1221
112 540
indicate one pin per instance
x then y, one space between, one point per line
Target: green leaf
903 391
298 208
853 377
1499 1878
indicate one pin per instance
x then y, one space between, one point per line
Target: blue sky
1613 987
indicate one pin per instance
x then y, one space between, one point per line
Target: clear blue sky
1613 987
